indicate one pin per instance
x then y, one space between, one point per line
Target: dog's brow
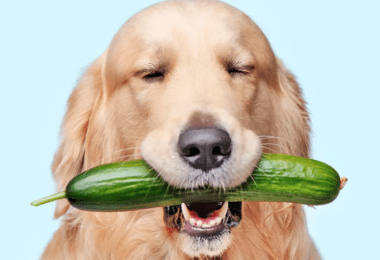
143 71
156 60
150 67
237 58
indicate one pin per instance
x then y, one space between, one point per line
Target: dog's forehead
184 32
195 22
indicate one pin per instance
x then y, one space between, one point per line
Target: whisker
274 144
130 148
150 186
273 150
166 192
268 136
127 156
253 179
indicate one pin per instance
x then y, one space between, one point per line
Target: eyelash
236 70
154 76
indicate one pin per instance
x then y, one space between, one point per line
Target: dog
194 89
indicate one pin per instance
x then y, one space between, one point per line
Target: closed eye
234 70
154 76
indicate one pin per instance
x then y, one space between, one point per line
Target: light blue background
332 47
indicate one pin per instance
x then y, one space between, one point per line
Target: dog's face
193 88
202 82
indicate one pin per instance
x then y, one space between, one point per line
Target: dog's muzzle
204 149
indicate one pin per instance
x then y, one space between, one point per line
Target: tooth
199 223
192 221
212 223
185 212
218 220
223 210
206 226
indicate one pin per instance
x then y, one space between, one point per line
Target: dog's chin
196 246
204 228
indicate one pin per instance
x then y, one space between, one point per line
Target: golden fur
116 113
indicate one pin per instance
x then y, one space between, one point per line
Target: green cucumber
134 185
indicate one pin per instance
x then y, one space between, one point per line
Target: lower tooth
218 220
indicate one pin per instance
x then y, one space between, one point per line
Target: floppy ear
293 128
69 159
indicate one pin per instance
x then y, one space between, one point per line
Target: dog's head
193 88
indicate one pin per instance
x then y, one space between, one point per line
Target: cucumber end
56 196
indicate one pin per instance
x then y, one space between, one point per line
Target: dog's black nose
204 148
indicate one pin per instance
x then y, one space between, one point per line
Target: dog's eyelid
236 66
240 69
147 71
153 75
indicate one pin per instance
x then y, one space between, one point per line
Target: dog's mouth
205 219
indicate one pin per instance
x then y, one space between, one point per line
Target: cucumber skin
135 185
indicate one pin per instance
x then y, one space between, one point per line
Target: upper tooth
192 221
185 211
223 210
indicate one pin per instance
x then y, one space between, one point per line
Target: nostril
191 154
218 154
220 151
216 150
192 151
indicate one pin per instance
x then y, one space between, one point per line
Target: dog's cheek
261 110
156 150
246 153
128 116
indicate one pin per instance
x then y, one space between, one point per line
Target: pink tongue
207 220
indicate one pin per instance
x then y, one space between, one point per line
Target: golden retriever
193 88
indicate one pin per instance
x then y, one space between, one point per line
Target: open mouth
205 219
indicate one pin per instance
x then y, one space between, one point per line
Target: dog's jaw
203 229
209 246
